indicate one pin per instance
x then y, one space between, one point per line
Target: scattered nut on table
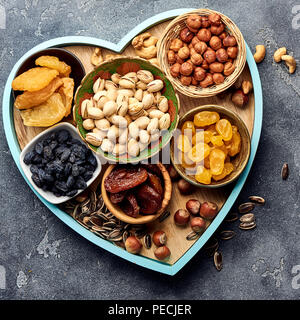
290 62
97 58
260 53
279 53
145 46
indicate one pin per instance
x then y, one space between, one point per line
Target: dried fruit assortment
135 189
206 145
205 52
61 164
126 113
48 92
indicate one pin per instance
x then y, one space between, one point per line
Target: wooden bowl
122 66
239 161
172 31
141 219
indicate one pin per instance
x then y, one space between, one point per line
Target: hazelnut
196 59
239 98
204 35
223 35
194 81
205 65
215 43
174 175
175 70
192 51
200 47
218 78
210 56
208 81
208 210
176 44
185 80
133 245
216 67
178 59
215 19
162 253
159 238
217 29
193 21
205 23
193 206
184 53
186 35
199 73
228 68
198 224
186 69
181 217
194 41
222 55
171 57
185 187
232 52
229 41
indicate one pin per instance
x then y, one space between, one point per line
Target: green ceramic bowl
122 66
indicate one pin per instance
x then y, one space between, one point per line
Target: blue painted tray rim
13 144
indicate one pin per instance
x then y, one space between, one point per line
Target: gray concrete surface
41 258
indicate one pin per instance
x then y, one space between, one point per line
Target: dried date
155 183
117 197
148 199
130 206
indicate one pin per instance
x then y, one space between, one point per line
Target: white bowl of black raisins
58 165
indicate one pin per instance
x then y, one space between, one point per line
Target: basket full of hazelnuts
203 53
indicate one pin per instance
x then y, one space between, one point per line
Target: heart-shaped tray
182 250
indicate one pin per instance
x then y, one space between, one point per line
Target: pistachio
101 102
145 76
122 104
123 137
142 122
133 148
163 104
155 135
102 124
141 85
139 94
157 96
126 92
107 145
135 109
98 85
113 133
143 146
116 78
155 114
102 134
144 137
88 124
153 125
110 108
85 105
95 113
99 94
164 122
133 100
119 121
148 100
93 139
155 85
132 76
127 83
119 149
110 85
133 130
112 94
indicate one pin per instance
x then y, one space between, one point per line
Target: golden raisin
228 168
199 152
203 175
187 126
217 141
201 136
216 161
183 143
235 146
206 118
224 129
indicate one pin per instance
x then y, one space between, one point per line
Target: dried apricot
203 175
187 127
224 129
216 161
201 136
228 168
183 143
217 141
66 91
199 152
34 79
206 118
54 63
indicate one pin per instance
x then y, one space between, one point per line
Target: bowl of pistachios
126 110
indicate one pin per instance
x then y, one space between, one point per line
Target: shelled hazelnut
204 43
162 253
193 206
185 187
159 238
181 217
133 245
208 210
198 224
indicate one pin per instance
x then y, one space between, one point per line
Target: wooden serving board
181 249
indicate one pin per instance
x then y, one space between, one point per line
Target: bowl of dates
58 165
136 194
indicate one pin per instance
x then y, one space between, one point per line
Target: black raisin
58 166
87 175
39 147
37 159
34 169
47 153
35 178
80 183
53 144
75 170
65 155
62 186
71 193
63 136
92 160
72 158
28 157
70 182
68 169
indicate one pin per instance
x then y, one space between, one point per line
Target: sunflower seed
247 225
231 217
257 200
164 216
125 236
211 246
247 218
218 260
140 233
95 220
227 234
93 199
285 171
246 207
102 216
192 236
76 211
110 224
147 241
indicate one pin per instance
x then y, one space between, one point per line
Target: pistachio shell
127 83
102 124
88 124
85 105
133 100
164 122
143 146
133 130
144 136
98 85
123 137
135 108
157 96
113 133
126 92
102 134
116 78
132 76
148 100
139 94
101 102
110 108
119 121
99 94
142 122
163 105
133 148
141 85
107 145
155 85
156 114
153 125
155 136
93 139
112 94
95 113
119 149
145 76
110 85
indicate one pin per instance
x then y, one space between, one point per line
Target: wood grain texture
176 235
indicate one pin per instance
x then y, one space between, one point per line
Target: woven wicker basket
172 31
